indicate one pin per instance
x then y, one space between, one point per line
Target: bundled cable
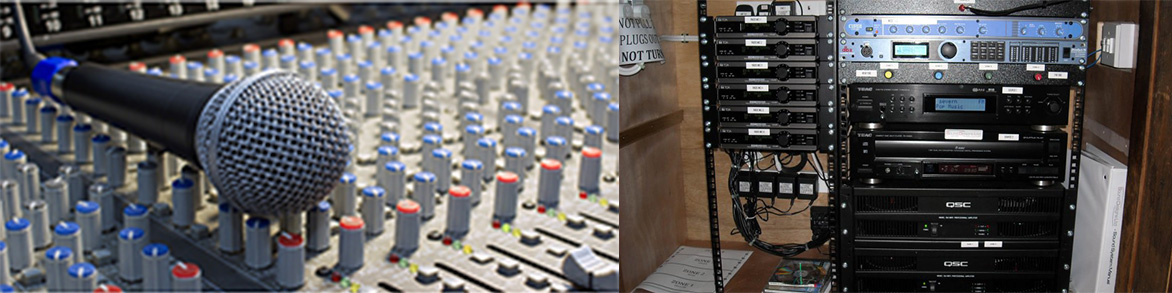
745 214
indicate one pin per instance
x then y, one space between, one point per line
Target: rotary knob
781 49
948 50
782 117
782 95
781 26
1053 107
782 71
783 139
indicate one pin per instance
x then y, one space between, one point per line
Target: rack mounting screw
1069 233
1072 207
703 19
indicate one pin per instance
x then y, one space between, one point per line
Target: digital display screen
975 169
911 50
960 104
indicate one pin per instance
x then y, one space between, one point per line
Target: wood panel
649 94
653 212
1110 91
1146 249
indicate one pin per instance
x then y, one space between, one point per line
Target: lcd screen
960 104
911 50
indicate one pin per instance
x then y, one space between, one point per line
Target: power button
938 75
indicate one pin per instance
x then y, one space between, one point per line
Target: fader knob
350 243
258 251
290 260
507 187
156 260
373 201
591 166
185 277
407 222
459 211
550 183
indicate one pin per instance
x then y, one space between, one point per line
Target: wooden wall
1110 91
1145 259
653 205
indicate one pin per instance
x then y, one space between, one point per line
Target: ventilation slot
1023 264
886 228
1020 286
1029 205
1026 229
887 263
888 285
888 204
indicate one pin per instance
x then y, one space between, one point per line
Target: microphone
270 143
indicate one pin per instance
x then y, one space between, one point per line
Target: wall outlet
1119 42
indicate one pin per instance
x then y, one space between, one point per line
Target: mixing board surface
521 98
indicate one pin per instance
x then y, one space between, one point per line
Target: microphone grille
272 143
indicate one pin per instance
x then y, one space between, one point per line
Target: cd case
809 276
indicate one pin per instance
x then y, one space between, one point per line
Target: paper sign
638 41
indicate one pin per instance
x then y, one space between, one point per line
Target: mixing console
485 158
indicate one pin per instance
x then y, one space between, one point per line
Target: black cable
747 224
1042 4
801 10
791 170
28 53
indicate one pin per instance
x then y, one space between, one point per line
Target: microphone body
161 110
270 143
